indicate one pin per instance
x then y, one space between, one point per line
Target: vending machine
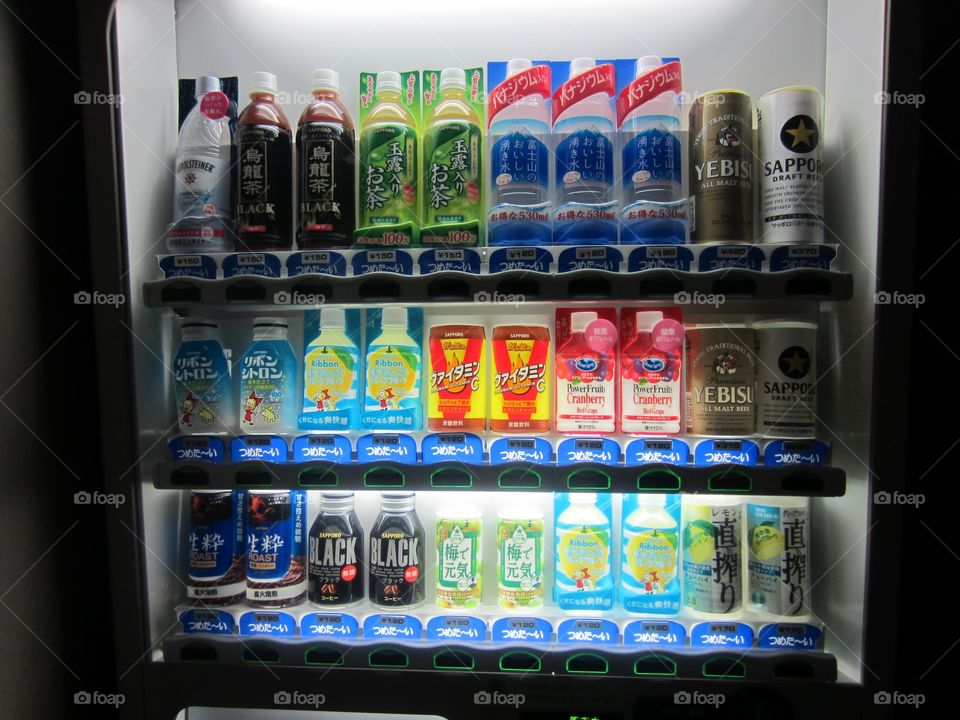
519 358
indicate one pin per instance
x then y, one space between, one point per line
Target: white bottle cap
518 65
207 84
388 80
326 79
580 320
334 318
454 78
264 82
581 65
647 63
646 319
584 498
395 317
658 499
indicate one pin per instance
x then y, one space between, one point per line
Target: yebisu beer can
791 157
721 167
721 379
786 378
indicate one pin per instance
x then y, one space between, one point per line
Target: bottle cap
647 63
336 501
395 317
388 80
580 320
207 84
584 498
269 322
331 317
581 65
326 79
657 499
199 324
518 65
264 82
646 319
453 78
397 501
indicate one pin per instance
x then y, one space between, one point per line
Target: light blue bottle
331 375
649 569
268 380
583 578
394 361
203 393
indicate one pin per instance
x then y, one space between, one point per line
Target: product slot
654 665
323 656
454 660
723 668
245 291
317 477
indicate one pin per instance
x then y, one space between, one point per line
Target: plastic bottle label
452 152
388 175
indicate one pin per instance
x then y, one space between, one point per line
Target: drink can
721 379
721 167
791 160
778 545
519 559
712 565
216 562
459 569
276 548
786 378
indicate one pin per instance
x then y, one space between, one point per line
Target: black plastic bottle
396 561
335 553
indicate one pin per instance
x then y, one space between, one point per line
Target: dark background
56 633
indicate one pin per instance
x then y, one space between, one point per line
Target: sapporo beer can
216 552
721 379
276 548
721 167
786 378
791 156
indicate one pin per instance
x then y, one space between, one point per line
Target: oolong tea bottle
396 561
335 552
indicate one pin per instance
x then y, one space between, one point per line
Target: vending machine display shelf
752 665
185 294
789 480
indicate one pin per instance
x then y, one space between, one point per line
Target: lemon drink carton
778 560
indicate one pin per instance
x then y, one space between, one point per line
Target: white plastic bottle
587 174
526 121
651 145
203 209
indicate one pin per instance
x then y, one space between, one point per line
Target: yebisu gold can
721 167
721 379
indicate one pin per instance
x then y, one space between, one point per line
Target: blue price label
669 451
207 621
521 449
596 257
267 623
441 447
589 631
790 636
405 627
653 257
322 262
269 448
457 627
588 450
374 261
322 447
198 447
259 264
333 625
449 260
531 259
522 629
726 452
401 448
203 267
710 634
654 632
728 257
791 257
796 452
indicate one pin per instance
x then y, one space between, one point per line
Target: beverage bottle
585 147
650 389
276 548
520 554
202 202
326 186
268 380
586 401
335 552
521 178
583 563
264 170
651 145
216 546
202 374
396 562
388 158
459 573
331 377
451 152
712 555
394 360
649 577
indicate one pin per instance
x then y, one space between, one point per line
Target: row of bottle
254 545
606 376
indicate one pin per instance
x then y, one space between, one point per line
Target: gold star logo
801 134
795 365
